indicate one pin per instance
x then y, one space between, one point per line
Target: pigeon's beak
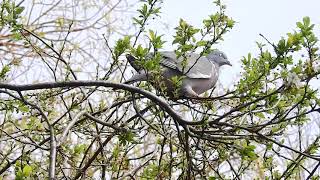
229 63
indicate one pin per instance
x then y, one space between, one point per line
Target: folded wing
196 67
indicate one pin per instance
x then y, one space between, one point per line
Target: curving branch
71 84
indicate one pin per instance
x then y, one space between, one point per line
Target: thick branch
71 84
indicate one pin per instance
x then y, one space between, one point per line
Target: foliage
70 128
10 13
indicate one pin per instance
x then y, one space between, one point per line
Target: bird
195 77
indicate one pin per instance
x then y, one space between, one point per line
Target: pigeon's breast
201 85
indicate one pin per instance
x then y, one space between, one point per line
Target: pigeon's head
219 57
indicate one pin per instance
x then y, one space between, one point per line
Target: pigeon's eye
220 55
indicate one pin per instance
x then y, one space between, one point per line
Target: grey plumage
198 75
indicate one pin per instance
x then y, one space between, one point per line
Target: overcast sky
272 18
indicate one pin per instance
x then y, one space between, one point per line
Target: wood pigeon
197 75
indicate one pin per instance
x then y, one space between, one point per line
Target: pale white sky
272 18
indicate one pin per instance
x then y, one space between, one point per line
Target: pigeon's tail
133 62
137 78
129 81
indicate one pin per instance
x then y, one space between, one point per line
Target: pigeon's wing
169 59
197 67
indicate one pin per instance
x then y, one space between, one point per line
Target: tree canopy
66 113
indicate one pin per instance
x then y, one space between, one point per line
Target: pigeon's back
196 67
